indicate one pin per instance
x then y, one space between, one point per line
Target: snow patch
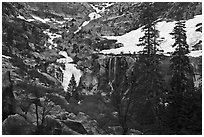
60 22
66 59
109 4
94 15
97 9
52 36
131 39
7 57
196 53
84 24
21 17
29 20
56 21
38 18
47 20
69 19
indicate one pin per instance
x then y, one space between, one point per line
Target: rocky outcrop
8 100
74 125
57 127
17 125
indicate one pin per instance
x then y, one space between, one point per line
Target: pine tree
149 80
149 39
181 82
72 89
148 58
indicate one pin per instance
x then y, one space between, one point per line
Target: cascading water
109 69
69 70
109 74
117 68
112 72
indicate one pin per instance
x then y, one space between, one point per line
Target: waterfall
109 69
109 74
117 67
69 70
114 69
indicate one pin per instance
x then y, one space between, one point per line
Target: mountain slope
44 44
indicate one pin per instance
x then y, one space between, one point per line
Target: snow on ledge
7 57
195 53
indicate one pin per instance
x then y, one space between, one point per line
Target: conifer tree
149 79
180 62
149 40
72 89
181 82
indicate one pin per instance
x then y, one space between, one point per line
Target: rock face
90 125
17 125
113 63
74 125
88 84
57 127
8 99
134 132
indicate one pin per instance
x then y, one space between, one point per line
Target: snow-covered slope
131 39
94 15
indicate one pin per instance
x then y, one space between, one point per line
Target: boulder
89 124
17 125
134 132
115 130
57 127
74 125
